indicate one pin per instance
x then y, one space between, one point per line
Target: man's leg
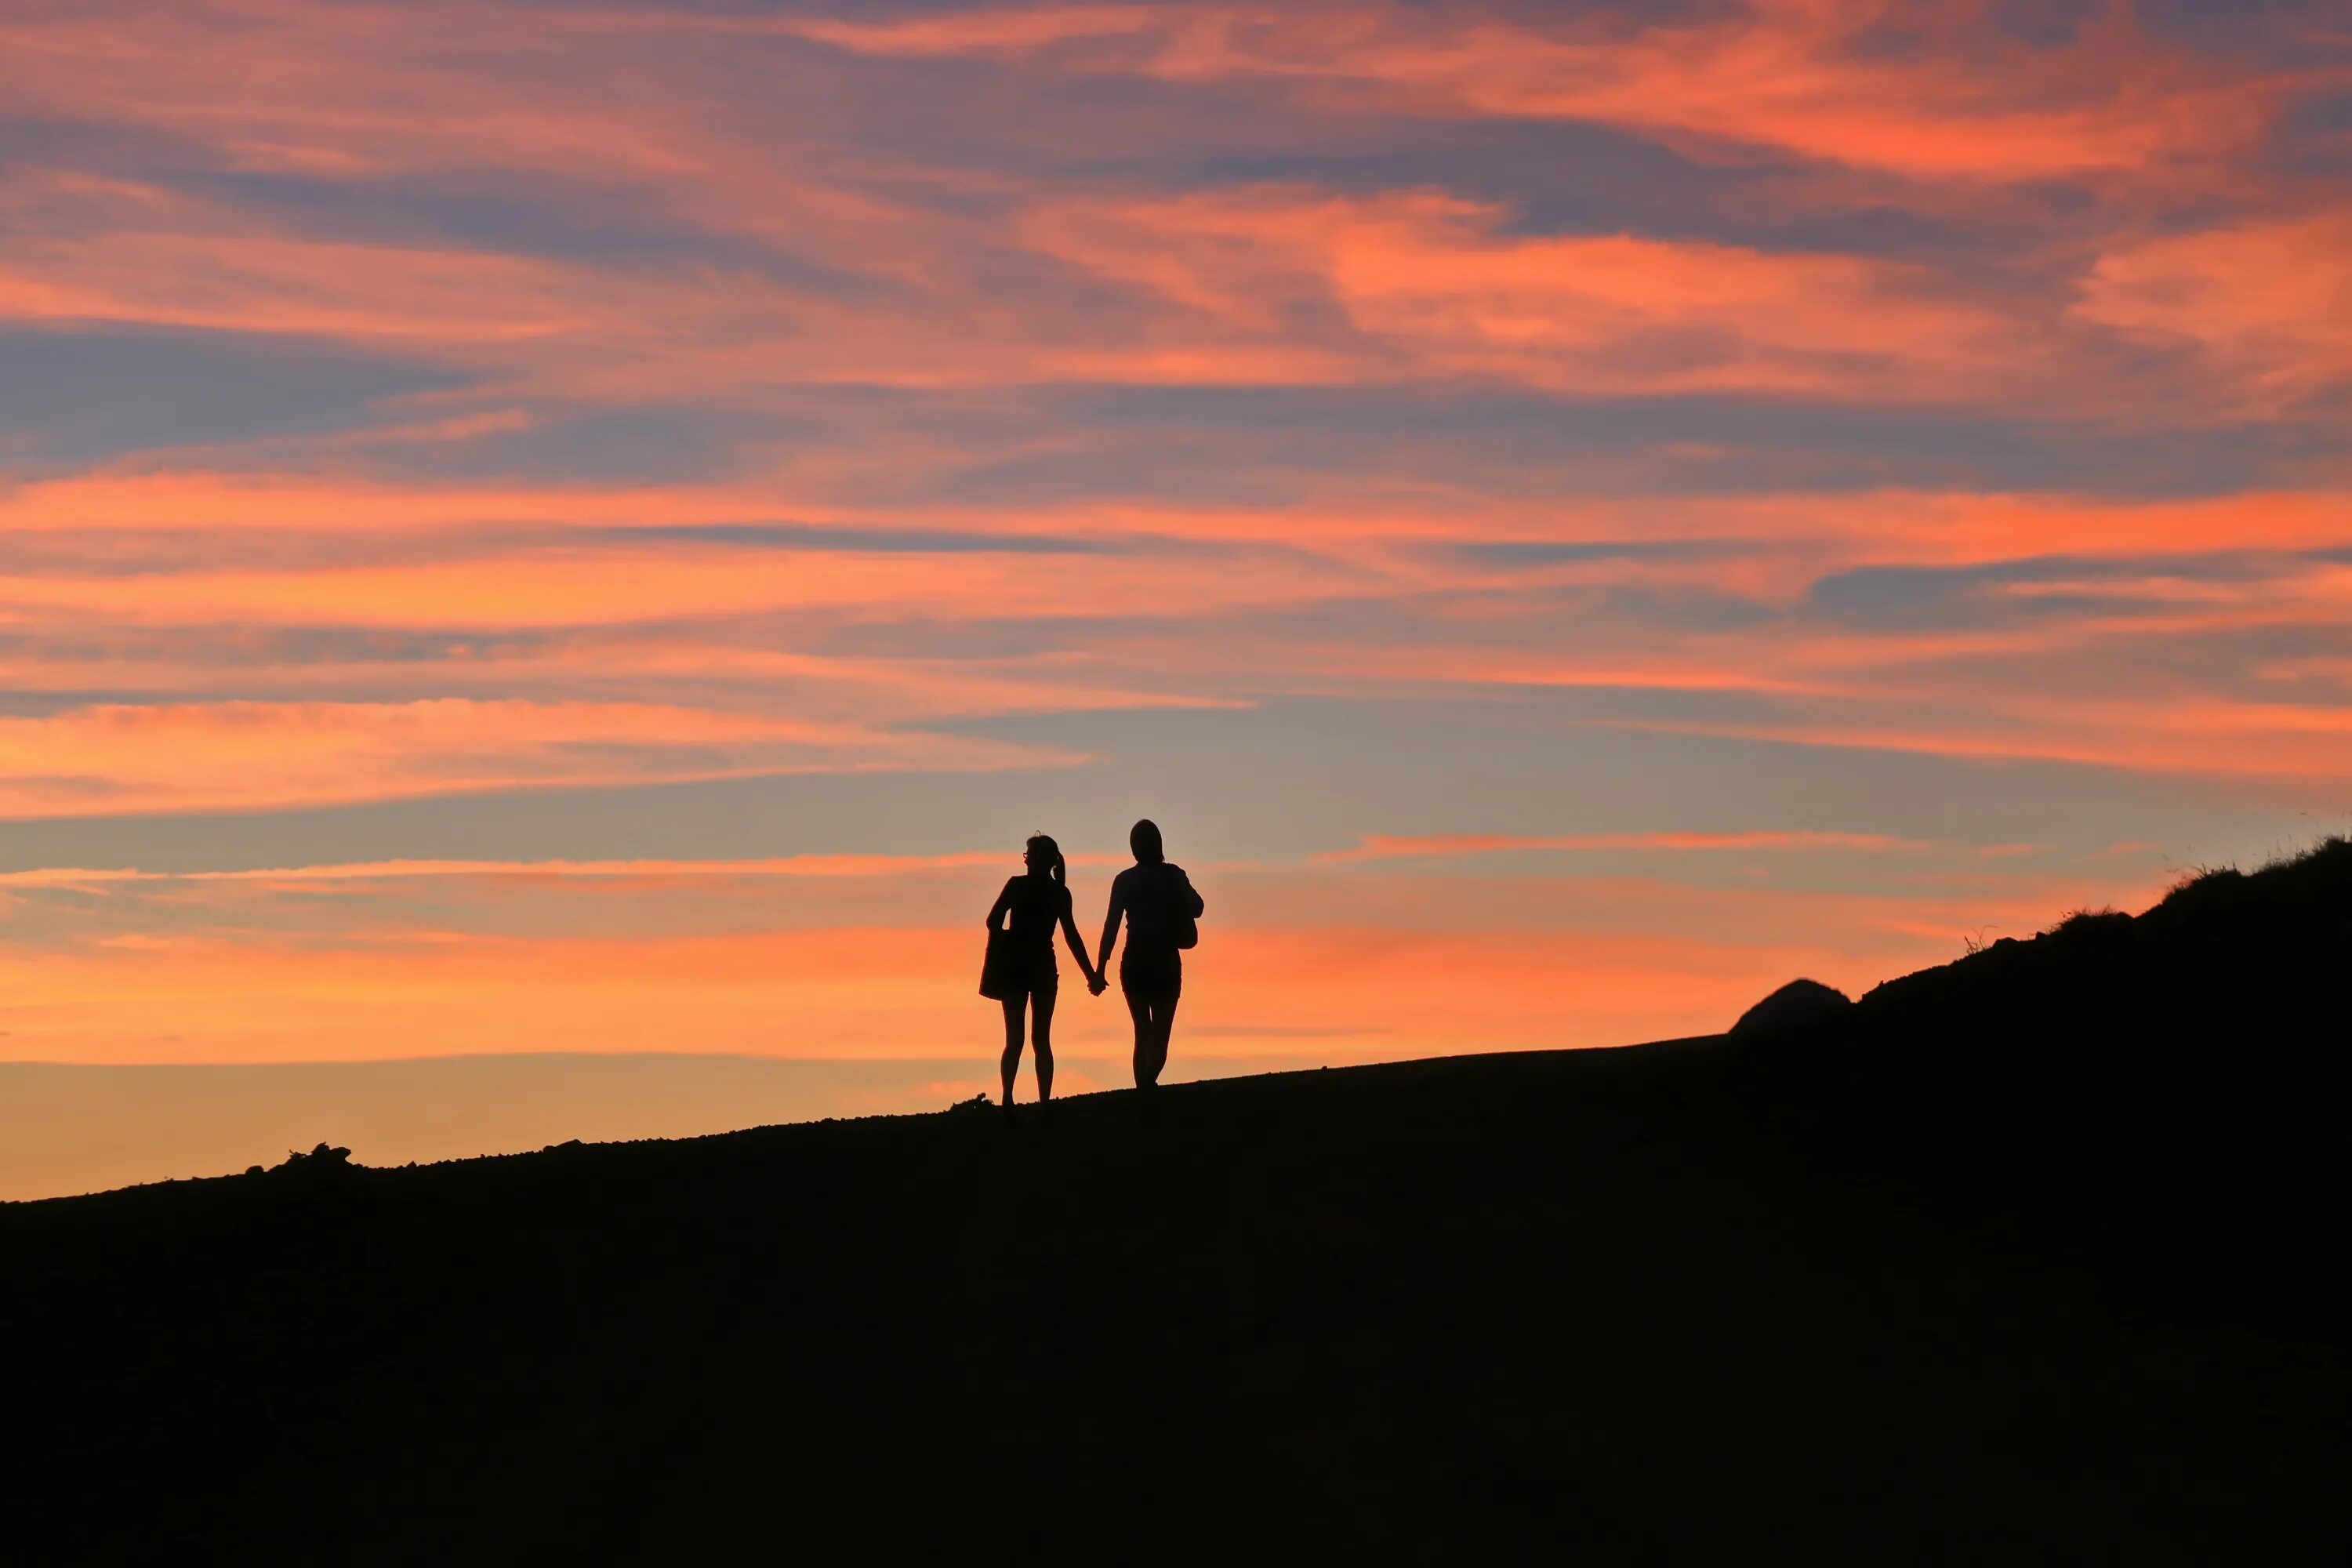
1151 1042
1140 1011
1163 1024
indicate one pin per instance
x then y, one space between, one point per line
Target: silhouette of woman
1159 905
1036 903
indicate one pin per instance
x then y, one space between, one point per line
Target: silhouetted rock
1799 1004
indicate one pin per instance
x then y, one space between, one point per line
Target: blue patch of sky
1247 443
96 395
1517 618
2298 33
1297 773
31 141
1945 597
913 118
2045 23
1902 34
614 228
2313 137
2321 114
863 11
92 393
622 445
134 553
914 636
1560 178
40 704
1119 132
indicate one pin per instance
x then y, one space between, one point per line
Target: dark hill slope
1418 1309
2167 1091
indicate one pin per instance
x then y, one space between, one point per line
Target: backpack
1181 923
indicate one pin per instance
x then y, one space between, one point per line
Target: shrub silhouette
2092 924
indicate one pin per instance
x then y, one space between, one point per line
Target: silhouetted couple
1157 902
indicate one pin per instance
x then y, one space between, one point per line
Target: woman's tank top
1036 906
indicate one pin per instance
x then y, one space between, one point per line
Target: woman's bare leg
1041 1037
1011 1062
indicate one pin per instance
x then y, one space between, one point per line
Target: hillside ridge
1842 1292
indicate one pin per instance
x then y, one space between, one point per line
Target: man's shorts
1151 976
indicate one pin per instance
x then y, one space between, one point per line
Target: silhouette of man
1160 906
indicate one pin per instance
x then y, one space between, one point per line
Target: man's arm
1110 922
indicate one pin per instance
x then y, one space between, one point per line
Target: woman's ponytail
1046 856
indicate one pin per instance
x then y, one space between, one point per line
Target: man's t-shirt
1158 898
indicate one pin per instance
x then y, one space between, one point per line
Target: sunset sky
601 528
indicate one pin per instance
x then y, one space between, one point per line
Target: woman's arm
1004 903
1070 936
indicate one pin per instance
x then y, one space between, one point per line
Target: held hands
1096 983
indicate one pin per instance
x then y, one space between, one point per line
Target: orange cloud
110 759
2270 303
588 585
1791 74
1395 846
620 623
1434 285
2194 737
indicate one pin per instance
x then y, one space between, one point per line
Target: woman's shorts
1046 984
